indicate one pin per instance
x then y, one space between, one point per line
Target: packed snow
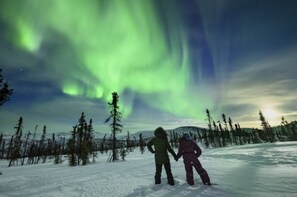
257 170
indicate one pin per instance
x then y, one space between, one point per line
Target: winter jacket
161 146
188 149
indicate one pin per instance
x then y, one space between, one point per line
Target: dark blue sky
168 60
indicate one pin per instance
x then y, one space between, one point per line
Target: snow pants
168 172
189 164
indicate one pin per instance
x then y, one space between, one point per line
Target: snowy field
258 170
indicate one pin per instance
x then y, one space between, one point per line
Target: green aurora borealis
169 61
117 45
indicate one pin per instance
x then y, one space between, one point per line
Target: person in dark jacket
161 146
190 152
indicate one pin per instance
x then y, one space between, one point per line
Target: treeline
80 148
25 149
223 133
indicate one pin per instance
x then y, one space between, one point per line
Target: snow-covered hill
258 170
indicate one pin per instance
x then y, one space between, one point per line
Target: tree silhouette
15 145
5 91
41 146
25 148
115 116
80 144
233 135
209 119
71 146
266 127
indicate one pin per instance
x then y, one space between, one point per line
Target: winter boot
170 180
157 180
190 179
205 178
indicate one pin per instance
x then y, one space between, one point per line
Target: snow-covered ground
257 170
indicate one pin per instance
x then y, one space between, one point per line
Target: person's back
161 146
190 152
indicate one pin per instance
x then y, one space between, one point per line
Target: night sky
168 60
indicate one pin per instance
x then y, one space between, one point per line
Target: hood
160 132
186 144
187 136
186 140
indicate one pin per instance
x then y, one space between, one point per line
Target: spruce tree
80 133
57 153
25 148
233 134
227 134
293 128
209 119
80 144
284 133
41 146
71 146
16 147
116 126
266 128
59 146
90 140
5 90
217 138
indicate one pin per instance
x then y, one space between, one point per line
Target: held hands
152 151
175 158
